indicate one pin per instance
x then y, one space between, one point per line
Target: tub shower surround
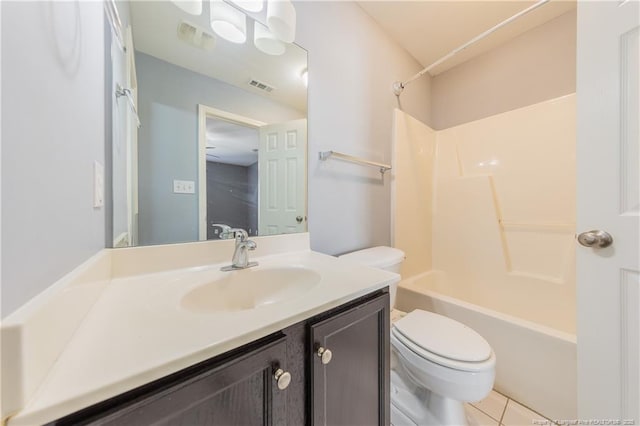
498 203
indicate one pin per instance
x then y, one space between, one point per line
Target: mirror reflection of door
125 147
253 175
283 156
231 173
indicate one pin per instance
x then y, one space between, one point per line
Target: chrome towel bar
327 154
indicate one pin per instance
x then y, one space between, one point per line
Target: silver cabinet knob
325 355
282 378
595 238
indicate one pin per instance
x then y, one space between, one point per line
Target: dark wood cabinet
239 387
351 387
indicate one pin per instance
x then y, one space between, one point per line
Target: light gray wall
352 65
52 131
168 98
539 64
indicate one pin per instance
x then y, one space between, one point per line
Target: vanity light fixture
304 75
249 5
266 42
281 19
192 7
228 22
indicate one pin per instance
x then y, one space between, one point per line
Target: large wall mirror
208 134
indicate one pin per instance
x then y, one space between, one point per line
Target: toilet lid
443 336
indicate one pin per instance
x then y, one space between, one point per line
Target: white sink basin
250 289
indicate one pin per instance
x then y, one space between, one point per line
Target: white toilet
437 364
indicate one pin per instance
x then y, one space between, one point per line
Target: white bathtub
536 364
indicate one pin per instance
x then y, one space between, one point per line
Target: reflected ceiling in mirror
231 143
162 30
222 141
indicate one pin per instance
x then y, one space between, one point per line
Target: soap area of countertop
120 321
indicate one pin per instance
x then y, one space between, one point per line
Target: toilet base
412 405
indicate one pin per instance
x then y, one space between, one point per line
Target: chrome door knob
299 219
325 355
595 238
282 378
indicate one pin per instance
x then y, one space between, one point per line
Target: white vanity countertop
138 332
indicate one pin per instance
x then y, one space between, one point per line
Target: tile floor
499 410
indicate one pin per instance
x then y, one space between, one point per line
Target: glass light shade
192 7
249 5
281 19
228 22
266 42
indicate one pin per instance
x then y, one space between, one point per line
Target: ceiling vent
261 85
196 36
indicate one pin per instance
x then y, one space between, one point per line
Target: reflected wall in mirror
222 140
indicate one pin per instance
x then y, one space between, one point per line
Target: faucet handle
241 234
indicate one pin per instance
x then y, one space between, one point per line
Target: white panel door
608 199
132 144
283 178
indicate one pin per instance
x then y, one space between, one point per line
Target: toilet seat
444 341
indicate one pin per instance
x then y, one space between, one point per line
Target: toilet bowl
437 364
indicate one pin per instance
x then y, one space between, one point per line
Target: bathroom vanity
330 369
162 335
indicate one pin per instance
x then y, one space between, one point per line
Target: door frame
204 112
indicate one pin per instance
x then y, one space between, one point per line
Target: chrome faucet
240 256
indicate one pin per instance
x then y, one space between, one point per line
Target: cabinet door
353 387
242 391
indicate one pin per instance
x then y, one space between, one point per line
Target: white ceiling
231 143
429 30
155 32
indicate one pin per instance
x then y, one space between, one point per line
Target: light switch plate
184 187
98 184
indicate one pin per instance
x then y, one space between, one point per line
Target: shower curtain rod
399 86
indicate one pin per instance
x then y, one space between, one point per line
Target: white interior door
132 144
608 199
283 178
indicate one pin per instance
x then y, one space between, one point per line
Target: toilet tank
381 257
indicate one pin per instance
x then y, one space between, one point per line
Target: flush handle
282 378
595 239
325 355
